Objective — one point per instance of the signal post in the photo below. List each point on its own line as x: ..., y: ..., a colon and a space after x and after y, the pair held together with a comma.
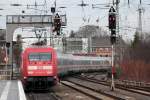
x: 56, y: 20
x: 112, y: 28
x: 57, y: 24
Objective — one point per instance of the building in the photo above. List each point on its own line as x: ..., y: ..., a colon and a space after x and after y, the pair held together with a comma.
x: 101, y: 46
x: 75, y: 45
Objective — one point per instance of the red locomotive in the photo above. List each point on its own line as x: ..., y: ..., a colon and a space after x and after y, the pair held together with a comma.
x: 39, y: 68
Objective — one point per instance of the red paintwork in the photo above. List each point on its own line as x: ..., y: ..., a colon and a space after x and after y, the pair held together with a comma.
x: 39, y: 64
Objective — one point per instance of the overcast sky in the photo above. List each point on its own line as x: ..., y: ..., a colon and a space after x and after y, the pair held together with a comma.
x: 75, y: 14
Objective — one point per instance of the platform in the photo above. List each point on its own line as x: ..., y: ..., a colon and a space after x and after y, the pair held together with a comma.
x: 11, y: 90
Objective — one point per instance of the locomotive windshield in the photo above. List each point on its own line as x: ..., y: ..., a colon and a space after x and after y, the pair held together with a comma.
x: 39, y: 56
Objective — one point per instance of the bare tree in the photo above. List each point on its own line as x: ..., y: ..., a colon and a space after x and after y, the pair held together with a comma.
x: 90, y: 31
x: 136, y: 62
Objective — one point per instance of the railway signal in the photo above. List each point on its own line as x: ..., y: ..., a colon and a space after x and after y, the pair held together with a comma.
x: 112, y: 18
x: 53, y: 10
x: 57, y: 24
x: 7, y: 44
x: 112, y: 28
x: 112, y: 24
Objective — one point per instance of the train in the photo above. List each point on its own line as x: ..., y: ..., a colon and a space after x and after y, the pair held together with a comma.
x: 39, y: 68
x: 71, y: 63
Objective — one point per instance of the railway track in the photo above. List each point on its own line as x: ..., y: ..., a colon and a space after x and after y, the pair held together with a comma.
x: 105, y: 89
x: 139, y: 90
x: 91, y: 92
x: 42, y: 96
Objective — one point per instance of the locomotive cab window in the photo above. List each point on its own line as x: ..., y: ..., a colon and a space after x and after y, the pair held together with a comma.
x: 39, y: 56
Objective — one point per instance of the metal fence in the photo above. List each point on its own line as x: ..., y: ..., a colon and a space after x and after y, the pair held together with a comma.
x: 5, y: 74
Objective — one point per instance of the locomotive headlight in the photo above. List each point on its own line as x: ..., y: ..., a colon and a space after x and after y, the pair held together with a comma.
x: 25, y: 77
x: 32, y: 67
x: 39, y: 67
x: 47, y: 67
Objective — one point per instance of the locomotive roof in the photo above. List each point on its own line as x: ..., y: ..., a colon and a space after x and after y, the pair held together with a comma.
x: 72, y: 57
x: 38, y: 48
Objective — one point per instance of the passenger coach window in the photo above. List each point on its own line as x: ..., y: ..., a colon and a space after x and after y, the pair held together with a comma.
x: 39, y: 56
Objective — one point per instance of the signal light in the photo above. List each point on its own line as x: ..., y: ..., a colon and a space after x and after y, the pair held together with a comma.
x: 112, y: 21
x: 112, y: 24
x: 113, y: 36
x: 25, y: 77
x: 112, y: 18
x: 53, y: 9
x: 6, y: 59
x: 7, y: 44
x: 57, y: 24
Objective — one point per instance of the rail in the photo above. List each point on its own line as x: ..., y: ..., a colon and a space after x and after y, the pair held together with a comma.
x: 134, y: 83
